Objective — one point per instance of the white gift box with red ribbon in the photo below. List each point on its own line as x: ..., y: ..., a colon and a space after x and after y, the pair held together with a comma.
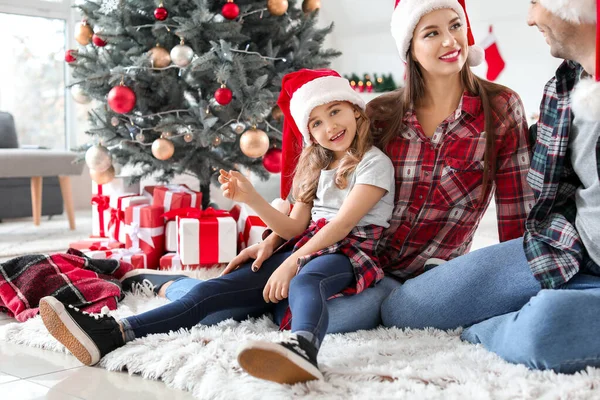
x: 146, y: 231
x: 209, y: 239
x: 171, y: 236
x: 118, y: 204
x: 100, y: 215
x: 137, y: 258
x: 250, y: 227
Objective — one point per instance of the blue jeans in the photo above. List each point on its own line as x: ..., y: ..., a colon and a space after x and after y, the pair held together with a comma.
x: 493, y: 292
x: 346, y: 314
x: 319, y: 279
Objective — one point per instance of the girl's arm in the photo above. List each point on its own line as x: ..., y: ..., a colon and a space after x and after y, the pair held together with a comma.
x: 237, y: 187
x: 360, y: 201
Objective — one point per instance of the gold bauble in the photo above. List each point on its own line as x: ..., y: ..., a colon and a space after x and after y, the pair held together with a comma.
x: 277, y: 113
x: 254, y: 143
x: 83, y: 33
x: 103, y: 177
x: 160, y: 57
x: 277, y: 7
x: 309, y: 6
x: 163, y: 149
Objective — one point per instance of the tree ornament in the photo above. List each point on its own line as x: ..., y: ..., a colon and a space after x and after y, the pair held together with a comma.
x: 272, y: 161
x: 161, y: 12
x: 281, y: 205
x: 254, y: 143
x: 79, y: 95
x: 140, y: 137
x: 159, y: 57
x: 121, y: 99
x: 277, y: 114
x: 98, y: 41
x: 163, y: 149
x: 277, y: 7
x: 83, y: 33
x: 238, y: 127
x: 223, y: 95
x: 216, y: 141
x: 309, y: 6
x: 188, y: 137
x: 98, y: 158
x: 114, y: 121
x: 230, y: 10
x: 70, y: 56
x: 104, y: 177
x: 182, y: 55
x: 166, y: 135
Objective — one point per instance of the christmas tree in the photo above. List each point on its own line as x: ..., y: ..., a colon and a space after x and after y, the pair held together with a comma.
x: 190, y: 86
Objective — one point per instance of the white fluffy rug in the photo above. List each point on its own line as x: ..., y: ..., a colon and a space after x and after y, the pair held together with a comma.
x: 382, y: 364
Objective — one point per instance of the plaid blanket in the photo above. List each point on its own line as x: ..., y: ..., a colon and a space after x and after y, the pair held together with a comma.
x: 71, y: 277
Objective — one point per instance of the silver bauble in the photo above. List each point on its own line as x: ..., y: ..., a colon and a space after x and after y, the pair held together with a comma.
x: 98, y: 158
x: 182, y: 55
x: 79, y: 95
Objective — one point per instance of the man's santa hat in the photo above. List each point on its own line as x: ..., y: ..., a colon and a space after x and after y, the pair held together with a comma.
x: 408, y: 13
x: 301, y: 92
x: 586, y: 97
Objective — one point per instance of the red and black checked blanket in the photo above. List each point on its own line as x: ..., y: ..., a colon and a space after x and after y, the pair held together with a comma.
x: 359, y: 246
x: 70, y: 277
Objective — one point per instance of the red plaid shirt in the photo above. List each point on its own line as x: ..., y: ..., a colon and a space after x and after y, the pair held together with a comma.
x: 360, y: 246
x: 438, y: 201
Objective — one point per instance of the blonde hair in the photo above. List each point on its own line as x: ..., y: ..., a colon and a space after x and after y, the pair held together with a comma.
x: 387, y: 112
x: 314, y: 158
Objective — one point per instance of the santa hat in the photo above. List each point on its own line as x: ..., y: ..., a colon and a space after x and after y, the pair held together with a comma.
x: 408, y: 13
x: 586, y: 96
x: 301, y: 92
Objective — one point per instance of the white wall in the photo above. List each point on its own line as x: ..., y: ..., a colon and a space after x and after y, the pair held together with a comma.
x: 362, y: 33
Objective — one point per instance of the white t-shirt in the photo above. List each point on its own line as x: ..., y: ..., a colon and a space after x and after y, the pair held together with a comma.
x: 374, y: 169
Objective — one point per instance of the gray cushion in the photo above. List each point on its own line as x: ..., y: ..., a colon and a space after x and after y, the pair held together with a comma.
x: 21, y: 163
x: 8, y: 133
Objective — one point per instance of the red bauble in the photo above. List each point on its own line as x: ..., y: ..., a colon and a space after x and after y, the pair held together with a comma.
x: 230, y: 11
x: 98, y: 41
x: 223, y: 96
x: 272, y: 161
x: 161, y: 13
x: 121, y: 99
x: 69, y: 56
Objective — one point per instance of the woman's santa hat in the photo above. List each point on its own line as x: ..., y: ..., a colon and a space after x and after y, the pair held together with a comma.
x: 301, y: 92
x: 586, y: 97
x: 408, y: 13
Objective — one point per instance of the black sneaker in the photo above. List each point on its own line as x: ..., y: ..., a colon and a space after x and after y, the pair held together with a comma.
x: 292, y: 361
x: 147, y: 280
x: 88, y: 336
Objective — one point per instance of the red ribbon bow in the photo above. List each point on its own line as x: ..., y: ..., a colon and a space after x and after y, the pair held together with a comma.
x: 102, y: 202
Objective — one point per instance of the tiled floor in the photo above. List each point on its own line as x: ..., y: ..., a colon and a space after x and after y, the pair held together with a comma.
x: 27, y: 373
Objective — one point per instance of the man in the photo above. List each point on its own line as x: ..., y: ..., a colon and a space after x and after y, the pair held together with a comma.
x: 536, y: 300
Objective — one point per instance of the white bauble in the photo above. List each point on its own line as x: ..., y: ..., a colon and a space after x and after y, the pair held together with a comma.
x: 182, y: 55
x: 79, y: 95
x: 98, y: 158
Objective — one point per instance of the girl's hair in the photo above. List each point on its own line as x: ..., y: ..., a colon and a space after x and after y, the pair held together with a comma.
x: 314, y: 158
x: 387, y: 111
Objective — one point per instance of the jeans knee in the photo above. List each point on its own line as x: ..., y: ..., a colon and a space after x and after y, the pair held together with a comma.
x: 393, y: 310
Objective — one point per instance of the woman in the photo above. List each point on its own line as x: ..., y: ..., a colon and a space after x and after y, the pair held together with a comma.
x: 446, y: 169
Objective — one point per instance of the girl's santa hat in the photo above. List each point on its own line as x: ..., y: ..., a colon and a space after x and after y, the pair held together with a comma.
x: 408, y: 13
x: 586, y: 97
x: 301, y: 92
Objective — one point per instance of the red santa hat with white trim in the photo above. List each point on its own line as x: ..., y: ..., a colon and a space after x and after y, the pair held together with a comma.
x: 301, y: 92
x: 585, y: 100
x: 408, y: 13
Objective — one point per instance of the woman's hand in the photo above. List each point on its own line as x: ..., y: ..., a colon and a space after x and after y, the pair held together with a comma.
x: 259, y: 252
x: 278, y: 286
x: 236, y: 186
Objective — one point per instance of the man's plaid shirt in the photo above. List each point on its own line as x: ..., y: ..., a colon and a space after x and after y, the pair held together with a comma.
x: 439, y: 200
x: 552, y: 245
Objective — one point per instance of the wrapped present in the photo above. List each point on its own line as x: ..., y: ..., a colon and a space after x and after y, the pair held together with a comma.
x: 100, y: 215
x: 118, y: 205
x: 137, y: 258
x: 172, y: 262
x: 146, y: 231
x: 171, y: 224
x: 96, y: 244
x: 250, y: 227
x: 171, y: 236
x: 209, y: 239
x: 172, y: 197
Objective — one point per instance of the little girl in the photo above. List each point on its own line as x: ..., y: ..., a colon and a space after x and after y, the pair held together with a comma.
x: 343, y: 190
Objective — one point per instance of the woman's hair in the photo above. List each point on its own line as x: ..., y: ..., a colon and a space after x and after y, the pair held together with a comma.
x: 387, y: 111
x: 315, y: 157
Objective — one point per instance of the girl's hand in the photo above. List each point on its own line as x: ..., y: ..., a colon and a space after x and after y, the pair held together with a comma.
x: 259, y: 252
x: 278, y: 286
x: 236, y: 186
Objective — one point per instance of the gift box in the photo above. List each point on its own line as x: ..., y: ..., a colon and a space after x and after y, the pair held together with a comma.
x: 137, y: 258
x: 171, y: 236
x: 250, y: 227
x: 172, y: 197
x: 118, y: 204
x: 209, y: 239
x: 96, y: 244
x: 100, y: 215
x: 172, y: 262
x: 145, y: 230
